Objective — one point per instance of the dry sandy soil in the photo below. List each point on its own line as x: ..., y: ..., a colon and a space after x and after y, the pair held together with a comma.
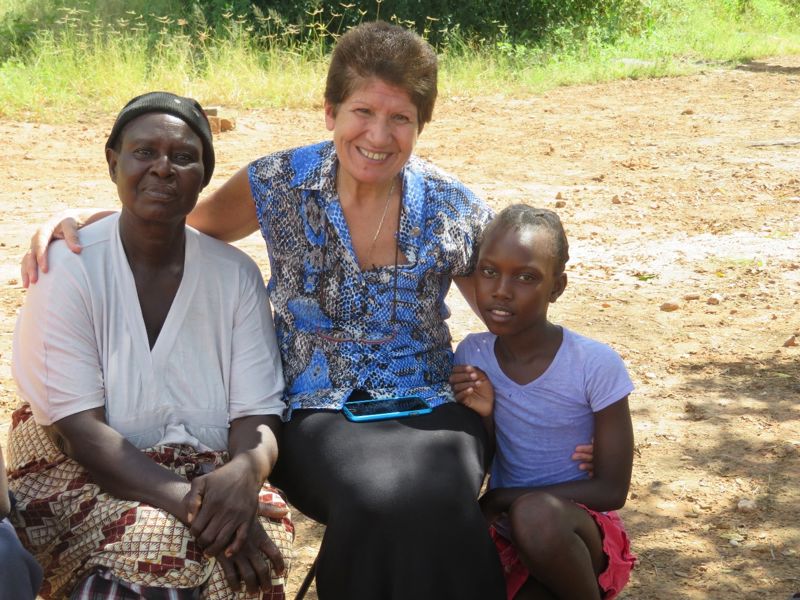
x: 679, y: 194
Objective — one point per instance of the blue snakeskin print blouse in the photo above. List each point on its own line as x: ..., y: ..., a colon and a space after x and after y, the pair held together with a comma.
x: 334, y: 321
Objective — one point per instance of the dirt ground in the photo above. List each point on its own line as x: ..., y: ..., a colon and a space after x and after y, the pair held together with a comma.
x: 681, y: 198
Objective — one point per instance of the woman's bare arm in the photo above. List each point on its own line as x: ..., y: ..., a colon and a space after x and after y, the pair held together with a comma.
x: 117, y: 466
x: 229, y: 212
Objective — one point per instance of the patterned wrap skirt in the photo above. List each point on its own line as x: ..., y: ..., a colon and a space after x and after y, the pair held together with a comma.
x: 74, y: 529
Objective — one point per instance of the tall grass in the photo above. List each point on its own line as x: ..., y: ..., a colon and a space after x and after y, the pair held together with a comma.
x: 58, y: 64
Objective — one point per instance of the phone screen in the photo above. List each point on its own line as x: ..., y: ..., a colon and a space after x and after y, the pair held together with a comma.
x: 379, y: 406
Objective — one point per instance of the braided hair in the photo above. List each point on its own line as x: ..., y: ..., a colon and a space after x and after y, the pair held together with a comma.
x: 519, y: 217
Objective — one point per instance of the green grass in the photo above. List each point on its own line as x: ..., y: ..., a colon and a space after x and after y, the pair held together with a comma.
x: 101, y: 56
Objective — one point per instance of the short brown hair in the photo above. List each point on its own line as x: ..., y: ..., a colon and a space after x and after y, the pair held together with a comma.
x: 391, y: 53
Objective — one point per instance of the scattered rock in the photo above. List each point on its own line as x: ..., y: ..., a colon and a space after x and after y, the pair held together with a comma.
x: 689, y: 297
x: 688, y: 111
x: 559, y: 196
x: 669, y: 306
x: 746, y: 505
x: 792, y: 341
x: 220, y: 124
x: 714, y: 299
x: 616, y: 200
x: 560, y: 204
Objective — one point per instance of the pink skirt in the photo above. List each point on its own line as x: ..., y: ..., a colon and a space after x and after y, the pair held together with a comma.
x: 616, y: 547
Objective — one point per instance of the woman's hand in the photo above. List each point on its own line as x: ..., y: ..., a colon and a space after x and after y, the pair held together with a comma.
x: 473, y: 389
x: 585, y: 454
x: 62, y: 226
x: 222, y: 506
x: 250, y: 565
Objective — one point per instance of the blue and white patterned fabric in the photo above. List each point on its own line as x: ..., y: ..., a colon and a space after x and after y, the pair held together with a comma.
x: 334, y: 321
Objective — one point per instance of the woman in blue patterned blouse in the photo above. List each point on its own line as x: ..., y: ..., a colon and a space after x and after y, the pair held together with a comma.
x: 364, y: 240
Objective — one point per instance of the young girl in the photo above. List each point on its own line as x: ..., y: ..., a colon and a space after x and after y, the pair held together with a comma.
x: 544, y: 389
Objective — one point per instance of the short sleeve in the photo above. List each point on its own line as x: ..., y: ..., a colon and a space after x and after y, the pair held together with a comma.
x: 455, y: 216
x: 463, y: 351
x: 463, y: 221
x: 607, y: 379
x: 56, y: 362
x: 256, y: 385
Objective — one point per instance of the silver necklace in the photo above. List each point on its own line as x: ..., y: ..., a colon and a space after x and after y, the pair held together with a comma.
x: 380, y: 224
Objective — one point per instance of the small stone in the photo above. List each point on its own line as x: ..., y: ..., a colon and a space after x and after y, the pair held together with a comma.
x: 746, y: 505
x: 734, y: 543
x: 689, y: 297
x: 227, y: 124
x: 213, y: 122
x: 560, y: 204
x: 688, y: 111
x: 616, y: 200
x: 714, y: 299
x: 559, y: 196
x: 669, y: 306
x: 792, y: 341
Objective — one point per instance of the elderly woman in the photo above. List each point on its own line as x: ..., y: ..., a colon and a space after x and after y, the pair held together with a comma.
x: 364, y: 240
x: 153, y: 384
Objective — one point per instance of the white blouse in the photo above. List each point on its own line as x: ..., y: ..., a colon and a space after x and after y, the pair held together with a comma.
x: 81, y: 343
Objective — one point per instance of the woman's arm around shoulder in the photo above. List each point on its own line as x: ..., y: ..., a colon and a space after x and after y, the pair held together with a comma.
x: 229, y: 212
x: 613, y: 463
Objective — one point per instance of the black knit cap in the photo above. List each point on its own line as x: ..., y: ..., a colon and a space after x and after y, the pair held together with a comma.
x: 186, y: 109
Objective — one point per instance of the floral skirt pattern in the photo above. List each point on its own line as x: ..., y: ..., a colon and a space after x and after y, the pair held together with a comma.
x: 74, y: 529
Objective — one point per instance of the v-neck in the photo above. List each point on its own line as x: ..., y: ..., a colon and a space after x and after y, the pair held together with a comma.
x: 533, y: 382
x: 150, y: 359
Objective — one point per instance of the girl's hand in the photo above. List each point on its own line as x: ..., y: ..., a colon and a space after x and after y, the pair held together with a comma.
x: 473, y: 389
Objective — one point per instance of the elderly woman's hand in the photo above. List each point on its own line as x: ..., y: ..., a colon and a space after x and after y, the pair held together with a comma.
x: 222, y: 506
x: 250, y: 565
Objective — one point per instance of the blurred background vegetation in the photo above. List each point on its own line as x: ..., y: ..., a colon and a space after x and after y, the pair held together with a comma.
x: 56, y: 56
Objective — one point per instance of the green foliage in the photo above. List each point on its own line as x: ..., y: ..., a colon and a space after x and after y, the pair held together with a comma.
x: 57, y: 54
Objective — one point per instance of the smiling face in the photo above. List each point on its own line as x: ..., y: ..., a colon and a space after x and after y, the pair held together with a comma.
x: 516, y: 278
x: 158, y: 167
x: 374, y: 131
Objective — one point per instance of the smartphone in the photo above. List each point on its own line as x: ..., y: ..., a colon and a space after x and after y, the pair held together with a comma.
x: 375, y: 409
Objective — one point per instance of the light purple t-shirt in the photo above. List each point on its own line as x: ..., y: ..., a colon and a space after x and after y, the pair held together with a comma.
x: 539, y: 424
